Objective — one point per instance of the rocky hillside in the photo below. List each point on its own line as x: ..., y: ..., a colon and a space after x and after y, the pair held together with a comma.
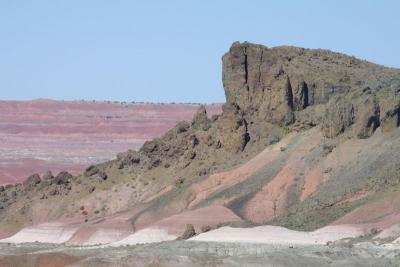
x: 41, y: 135
x: 307, y: 138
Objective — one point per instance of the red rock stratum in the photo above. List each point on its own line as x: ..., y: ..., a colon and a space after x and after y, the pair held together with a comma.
x: 41, y: 135
x: 307, y: 139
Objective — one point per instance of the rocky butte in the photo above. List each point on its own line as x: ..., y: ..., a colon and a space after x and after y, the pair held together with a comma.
x: 308, y: 140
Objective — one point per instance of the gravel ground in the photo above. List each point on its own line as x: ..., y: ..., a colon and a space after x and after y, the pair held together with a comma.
x: 184, y: 253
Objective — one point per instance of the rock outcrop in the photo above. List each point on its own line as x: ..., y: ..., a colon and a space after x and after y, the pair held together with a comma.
x: 71, y: 135
x: 201, y: 120
x: 32, y: 181
x: 339, y: 115
x: 308, y: 103
x: 276, y: 85
x: 389, y: 104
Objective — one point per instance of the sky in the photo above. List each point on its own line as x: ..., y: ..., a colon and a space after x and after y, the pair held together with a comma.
x: 170, y: 51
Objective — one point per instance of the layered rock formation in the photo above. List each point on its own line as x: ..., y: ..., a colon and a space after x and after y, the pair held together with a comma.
x: 296, y: 145
x: 42, y: 135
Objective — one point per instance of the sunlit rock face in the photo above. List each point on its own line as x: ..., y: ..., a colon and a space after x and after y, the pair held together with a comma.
x: 276, y: 85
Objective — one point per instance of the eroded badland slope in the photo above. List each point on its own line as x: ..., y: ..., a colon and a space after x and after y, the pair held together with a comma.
x: 307, y: 138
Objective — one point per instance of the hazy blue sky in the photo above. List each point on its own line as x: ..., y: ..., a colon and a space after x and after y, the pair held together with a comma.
x: 164, y: 51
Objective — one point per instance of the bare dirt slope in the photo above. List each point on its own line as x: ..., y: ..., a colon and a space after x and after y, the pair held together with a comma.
x: 307, y: 138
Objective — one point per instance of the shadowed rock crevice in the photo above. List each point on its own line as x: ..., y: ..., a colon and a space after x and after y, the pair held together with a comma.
x: 289, y: 93
x: 302, y: 101
x: 246, y: 66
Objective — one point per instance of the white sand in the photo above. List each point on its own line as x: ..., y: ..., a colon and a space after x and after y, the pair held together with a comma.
x: 104, y: 236
x: 392, y: 231
x: 149, y: 235
x: 278, y: 235
x: 45, y: 233
x: 58, y: 233
x: 397, y: 241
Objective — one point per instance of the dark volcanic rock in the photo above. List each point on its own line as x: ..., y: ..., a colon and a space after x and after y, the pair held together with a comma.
x: 339, y: 115
x: 257, y: 84
x: 182, y: 127
x: 91, y: 170
x: 200, y: 120
x: 367, y: 116
x: 63, y: 178
x: 71, y: 135
x: 32, y: 180
x: 232, y: 129
x: 360, y: 111
x: 270, y: 92
x: 128, y: 158
x: 277, y: 85
x: 48, y: 175
x: 389, y: 111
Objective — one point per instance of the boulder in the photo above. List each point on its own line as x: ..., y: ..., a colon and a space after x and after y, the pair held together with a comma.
x: 389, y: 112
x: 367, y: 116
x: 201, y: 120
x: 63, y: 178
x: 91, y: 170
x: 128, y: 158
x: 32, y: 181
x: 182, y: 127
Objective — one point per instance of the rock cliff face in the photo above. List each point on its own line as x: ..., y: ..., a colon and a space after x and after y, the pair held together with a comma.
x: 275, y: 85
x: 282, y: 152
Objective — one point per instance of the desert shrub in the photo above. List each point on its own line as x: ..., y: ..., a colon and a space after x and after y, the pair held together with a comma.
x: 179, y: 182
